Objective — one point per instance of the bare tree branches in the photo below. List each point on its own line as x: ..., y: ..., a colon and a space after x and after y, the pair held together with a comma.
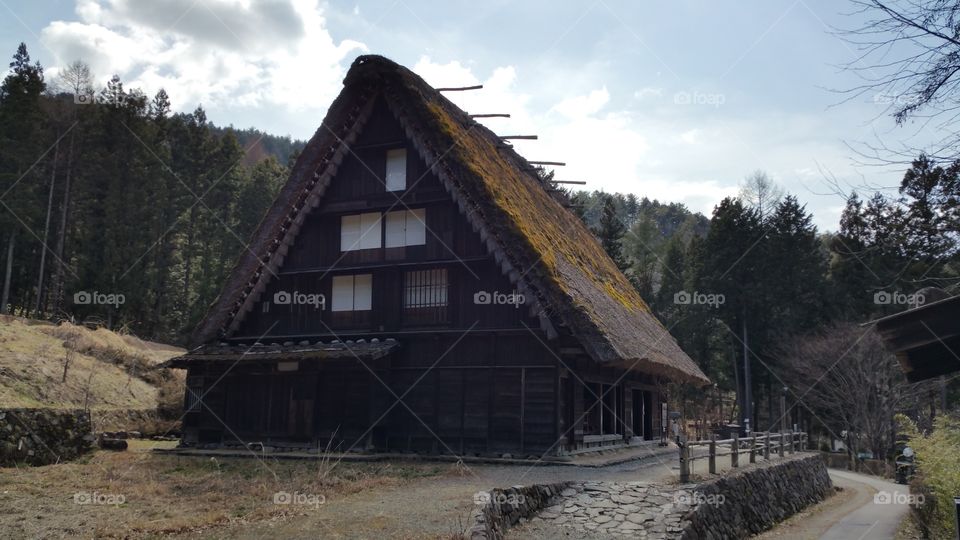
x: 909, y: 60
x: 852, y: 384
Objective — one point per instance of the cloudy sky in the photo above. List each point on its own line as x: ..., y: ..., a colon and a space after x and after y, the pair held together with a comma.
x: 676, y: 100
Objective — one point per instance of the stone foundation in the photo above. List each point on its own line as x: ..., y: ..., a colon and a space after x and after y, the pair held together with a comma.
x: 43, y: 436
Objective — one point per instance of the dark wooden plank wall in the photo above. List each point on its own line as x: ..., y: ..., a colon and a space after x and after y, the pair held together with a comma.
x: 487, y: 393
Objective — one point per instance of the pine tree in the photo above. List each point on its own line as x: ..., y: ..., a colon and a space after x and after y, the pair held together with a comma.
x: 610, y: 231
x: 21, y: 138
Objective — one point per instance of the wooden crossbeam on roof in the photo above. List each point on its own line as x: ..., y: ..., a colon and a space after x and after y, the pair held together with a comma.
x: 459, y: 88
x: 490, y: 115
x: 578, y: 182
x: 527, y: 137
x: 554, y: 163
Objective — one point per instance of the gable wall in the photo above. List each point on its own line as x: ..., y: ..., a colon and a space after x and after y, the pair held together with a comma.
x: 315, y: 257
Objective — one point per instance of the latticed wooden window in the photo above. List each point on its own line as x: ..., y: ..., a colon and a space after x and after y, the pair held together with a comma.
x: 193, y: 398
x: 425, y: 296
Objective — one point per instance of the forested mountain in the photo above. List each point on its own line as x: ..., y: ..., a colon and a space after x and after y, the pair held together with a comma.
x: 258, y: 145
x: 116, y: 209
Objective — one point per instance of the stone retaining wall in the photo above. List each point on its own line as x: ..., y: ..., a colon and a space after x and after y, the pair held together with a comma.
x: 738, y: 504
x: 753, y: 499
x: 499, y: 509
x: 43, y: 436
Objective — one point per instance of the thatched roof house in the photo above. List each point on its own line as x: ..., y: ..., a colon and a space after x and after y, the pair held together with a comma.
x: 577, y: 300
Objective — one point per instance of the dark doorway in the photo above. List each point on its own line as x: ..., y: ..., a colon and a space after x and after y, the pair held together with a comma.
x: 639, y: 414
x: 609, y: 410
x: 566, y: 408
x: 648, y: 415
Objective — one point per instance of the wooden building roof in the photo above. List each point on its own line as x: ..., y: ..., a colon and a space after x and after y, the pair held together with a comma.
x: 547, y: 252
x: 926, y: 339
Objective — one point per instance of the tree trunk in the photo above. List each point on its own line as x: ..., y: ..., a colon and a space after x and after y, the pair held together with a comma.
x: 747, y: 393
x: 5, y: 299
x: 736, y: 377
x: 46, y: 232
x: 59, y: 278
x: 188, y: 261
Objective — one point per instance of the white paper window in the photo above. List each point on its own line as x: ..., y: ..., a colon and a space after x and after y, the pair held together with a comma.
x: 406, y: 228
x: 396, y: 229
x: 360, y: 231
x: 352, y: 293
x: 370, y: 230
x: 396, y: 169
x: 362, y: 292
x: 349, y: 233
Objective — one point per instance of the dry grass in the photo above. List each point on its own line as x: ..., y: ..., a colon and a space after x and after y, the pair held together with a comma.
x: 70, y: 366
x: 169, y: 495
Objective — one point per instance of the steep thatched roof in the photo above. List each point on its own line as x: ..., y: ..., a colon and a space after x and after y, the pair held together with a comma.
x: 546, y: 250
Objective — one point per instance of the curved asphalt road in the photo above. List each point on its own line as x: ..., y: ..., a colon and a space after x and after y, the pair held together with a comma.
x: 883, y: 505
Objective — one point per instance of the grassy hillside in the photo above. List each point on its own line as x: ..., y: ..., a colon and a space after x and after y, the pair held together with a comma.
x: 69, y: 366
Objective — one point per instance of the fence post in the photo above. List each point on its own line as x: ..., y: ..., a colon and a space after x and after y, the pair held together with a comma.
x: 766, y: 446
x: 753, y: 449
x: 713, y: 454
x: 790, y: 434
x: 780, y: 447
x: 684, y: 463
x: 735, y: 451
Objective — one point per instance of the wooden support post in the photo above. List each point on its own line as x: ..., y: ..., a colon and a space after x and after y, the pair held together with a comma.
x: 766, y: 446
x: 713, y: 454
x: 753, y: 449
x: 780, y: 447
x: 684, y: 463
x: 735, y: 451
x: 790, y: 435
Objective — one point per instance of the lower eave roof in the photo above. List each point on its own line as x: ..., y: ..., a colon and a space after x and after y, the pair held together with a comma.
x: 278, y: 352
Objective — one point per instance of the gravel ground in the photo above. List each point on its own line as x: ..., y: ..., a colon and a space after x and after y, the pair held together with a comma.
x: 436, y: 507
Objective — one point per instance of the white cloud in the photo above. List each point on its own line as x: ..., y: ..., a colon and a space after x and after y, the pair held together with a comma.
x: 583, y: 106
x: 648, y: 92
x: 690, y: 136
x: 221, y: 53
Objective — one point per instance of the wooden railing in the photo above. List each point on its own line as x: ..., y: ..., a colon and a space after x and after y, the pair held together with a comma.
x: 762, y: 443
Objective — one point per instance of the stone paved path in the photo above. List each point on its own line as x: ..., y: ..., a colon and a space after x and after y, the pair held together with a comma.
x: 612, y: 510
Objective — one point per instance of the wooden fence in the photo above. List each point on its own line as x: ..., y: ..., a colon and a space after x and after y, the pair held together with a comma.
x: 758, y: 443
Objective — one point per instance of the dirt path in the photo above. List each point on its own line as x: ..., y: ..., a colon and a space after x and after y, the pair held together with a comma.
x: 850, y: 513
